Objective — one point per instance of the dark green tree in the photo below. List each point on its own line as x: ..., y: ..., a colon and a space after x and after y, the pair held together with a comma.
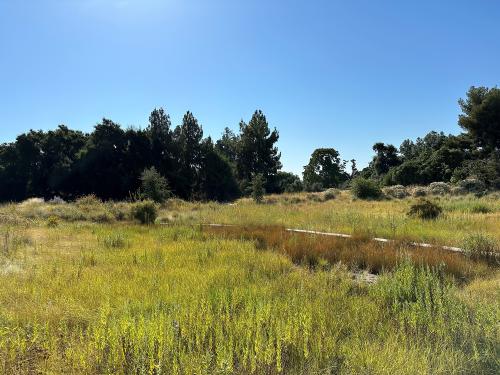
x: 481, y: 115
x: 228, y: 145
x: 217, y: 179
x: 288, y: 182
x: 188, y: 138
x: 102, y: 170
x: 163, y: 149
x: 59, y: 153
x: 386, y: 157
x: 257, y: 152
x: 325, y: 168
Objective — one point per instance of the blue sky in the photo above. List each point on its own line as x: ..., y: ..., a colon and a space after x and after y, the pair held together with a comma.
x: 342, y: 74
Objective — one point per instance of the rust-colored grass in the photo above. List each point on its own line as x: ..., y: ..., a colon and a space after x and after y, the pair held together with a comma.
x: 357, y: 252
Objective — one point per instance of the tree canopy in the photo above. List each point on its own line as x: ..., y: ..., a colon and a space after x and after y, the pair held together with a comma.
x: 325, y: 168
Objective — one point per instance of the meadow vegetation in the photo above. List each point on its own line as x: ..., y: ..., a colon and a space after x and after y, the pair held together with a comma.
x: 80, y: 294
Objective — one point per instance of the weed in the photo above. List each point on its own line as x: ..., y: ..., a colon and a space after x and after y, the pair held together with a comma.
x: 115, y: 241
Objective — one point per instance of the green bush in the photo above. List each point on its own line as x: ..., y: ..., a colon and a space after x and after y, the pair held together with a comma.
x: 154, y: 186
x: 425, y: 209
x: 145, y: 212
x: 365, y: 189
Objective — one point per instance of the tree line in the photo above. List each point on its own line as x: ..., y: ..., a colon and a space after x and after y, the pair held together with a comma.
x: 111, y: 162
x: 475, y: 153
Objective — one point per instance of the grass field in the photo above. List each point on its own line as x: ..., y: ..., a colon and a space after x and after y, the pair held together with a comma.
x: 84, y: 290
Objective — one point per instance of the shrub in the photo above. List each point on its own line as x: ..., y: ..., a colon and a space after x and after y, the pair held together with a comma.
x: 472, y: 185
x: 31, y: 201
x: 365, y: 189
x: 88, y: 200
x: 118, y: 210
x: 425, y: 209
x: 258, y: 190
x: 145, y: 212
x: 329, y: 194
x: 101, y: 216
x: 295, y: 200
x: 419, y: 191
x: 154, y: 186
x: 396, y: 191
x: 439, y: 188
x: 458, y: 190
x: 56, y: 200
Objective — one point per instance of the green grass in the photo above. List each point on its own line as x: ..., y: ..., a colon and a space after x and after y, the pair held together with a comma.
x: 82, y: 297
x: 384, y: 218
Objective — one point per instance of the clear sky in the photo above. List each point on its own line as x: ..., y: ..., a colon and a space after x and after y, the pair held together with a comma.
x: 342, y: 74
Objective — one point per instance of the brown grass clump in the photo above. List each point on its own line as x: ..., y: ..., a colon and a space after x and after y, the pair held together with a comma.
x: 357, y: 252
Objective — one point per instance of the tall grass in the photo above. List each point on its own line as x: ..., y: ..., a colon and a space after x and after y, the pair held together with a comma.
x: 83, y: 297
x: 357, y: 253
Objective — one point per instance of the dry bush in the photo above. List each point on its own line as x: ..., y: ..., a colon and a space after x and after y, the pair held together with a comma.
x: 330, y: 194
x: 396, y: 191
x: 439, y: 188
x: 419, y: 191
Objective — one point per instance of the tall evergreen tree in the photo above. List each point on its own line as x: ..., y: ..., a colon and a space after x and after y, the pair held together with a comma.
x: 228, y: 145
x: 188, y: 137
x: 257, y: 152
